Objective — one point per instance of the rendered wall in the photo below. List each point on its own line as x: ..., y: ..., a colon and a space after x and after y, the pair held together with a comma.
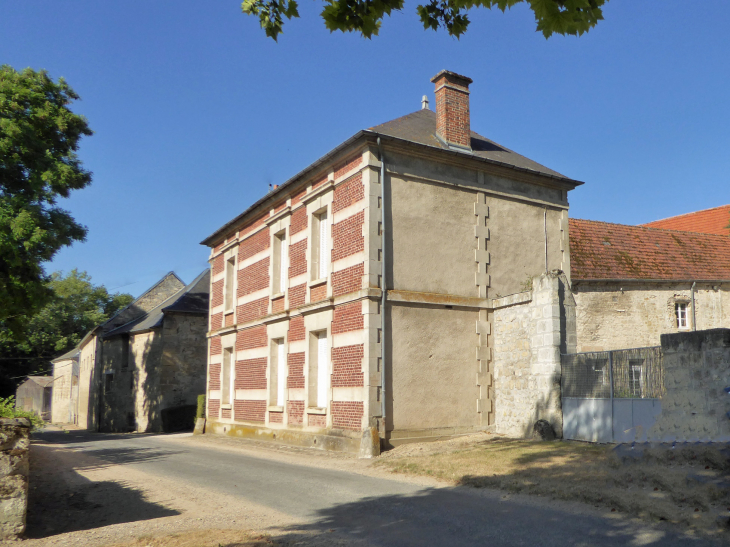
x: 431, y: 381
x: 88, y: 405
x: 62, y: 382
x: 617, y: 316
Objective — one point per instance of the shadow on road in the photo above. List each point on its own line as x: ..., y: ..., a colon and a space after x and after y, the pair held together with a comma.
x: 446, y: 516
x: 61, y: 500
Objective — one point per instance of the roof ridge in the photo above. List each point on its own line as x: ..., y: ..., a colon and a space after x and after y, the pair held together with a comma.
x: 642, y: 227
x: 686, y: 214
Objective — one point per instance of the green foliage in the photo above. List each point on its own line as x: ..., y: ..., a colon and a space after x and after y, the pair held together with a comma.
x: 573, y: 17
x: 200, y: 412
x: 74, y: 308
x: 526, y: 285
x: 8, y: 410
x: 39, y: 137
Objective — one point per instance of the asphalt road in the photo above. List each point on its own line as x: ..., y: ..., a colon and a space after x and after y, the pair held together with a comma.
x: 374, y: 511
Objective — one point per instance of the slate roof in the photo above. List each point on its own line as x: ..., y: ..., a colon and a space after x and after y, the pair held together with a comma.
x: 601, y: 250
x: 420, y: 127
x: 192, y: 299
x: 43, y: 381
x: 68, y: 355
x: 707, y: 221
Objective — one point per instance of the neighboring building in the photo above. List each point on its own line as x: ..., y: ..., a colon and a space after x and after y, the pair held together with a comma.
x: 153, y: 367
x: 709, y: 221
x: 632, y: 284
x: 65, y: 388
x: 34, y: 395
x: 144, y: 366
x: 304, y: 347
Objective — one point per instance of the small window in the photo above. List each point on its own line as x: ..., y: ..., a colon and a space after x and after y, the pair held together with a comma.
x: 680, y: 311
x: 636, y: 378
x: 320, y: 242
x: 230, y: 282
x: 108, y: 382
x: 280, y: 264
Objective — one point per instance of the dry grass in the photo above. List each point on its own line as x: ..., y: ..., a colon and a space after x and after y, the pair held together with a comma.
x: 689, y: 485
x: 201, y: 538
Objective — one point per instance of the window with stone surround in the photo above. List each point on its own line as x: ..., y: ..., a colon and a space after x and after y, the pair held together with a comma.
x: 279, y: 270
x: 227, y: 371
x: 229, y: 284
x: 277, y: 373
x: 320, y: 245
x: 319, y: 370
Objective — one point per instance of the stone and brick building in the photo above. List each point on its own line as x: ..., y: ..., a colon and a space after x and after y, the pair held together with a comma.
x: 306, y: 346
x: 632, y: 284
x: 143, y: 369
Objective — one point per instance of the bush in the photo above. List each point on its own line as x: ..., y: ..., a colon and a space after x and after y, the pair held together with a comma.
x: 8, y: 410
x: 201, y: 407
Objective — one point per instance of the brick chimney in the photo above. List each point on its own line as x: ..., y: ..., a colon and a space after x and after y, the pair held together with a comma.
x: 452, y: 108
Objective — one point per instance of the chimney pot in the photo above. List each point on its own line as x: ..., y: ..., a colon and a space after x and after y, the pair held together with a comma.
x: 452, y: 109
x: 424, y: 103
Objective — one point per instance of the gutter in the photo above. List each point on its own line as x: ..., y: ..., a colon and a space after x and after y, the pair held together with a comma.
x: 638, y: 280
x: 694, y: 318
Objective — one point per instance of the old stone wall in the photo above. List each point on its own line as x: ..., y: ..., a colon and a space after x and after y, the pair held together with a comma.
x: 116, y: 385
x: 531, y: 329
x: 617, y: 316
x: 695, y: 405
x: 14, y: 468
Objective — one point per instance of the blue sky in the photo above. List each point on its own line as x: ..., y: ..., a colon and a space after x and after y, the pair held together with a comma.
x: 195, y: 111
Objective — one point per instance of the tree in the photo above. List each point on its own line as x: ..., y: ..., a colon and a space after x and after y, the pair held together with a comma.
x: 76, y: 306
x: 39, y: 137
x: 365, y: 16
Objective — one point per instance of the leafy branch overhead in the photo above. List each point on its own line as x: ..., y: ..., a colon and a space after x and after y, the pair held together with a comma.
x: 365, y: 16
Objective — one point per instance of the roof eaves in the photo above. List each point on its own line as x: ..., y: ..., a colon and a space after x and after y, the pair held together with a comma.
x: 270, y: 196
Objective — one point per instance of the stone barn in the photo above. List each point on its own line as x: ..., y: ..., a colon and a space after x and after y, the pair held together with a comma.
x: 34, y: 395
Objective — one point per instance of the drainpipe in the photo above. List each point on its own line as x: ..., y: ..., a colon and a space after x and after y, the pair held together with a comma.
x: 383, y: 284
x: 694, y: 318
x: 544, y: 223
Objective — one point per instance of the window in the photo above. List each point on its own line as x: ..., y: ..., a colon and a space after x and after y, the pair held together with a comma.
x: 280, y: 264
x: 319, y: 373
x: 680, y: 311
x: 227, y: 377
x: 108, y: 382
x: 636, y: 379
x: 278, y: 373
x: 229, y: 283
x: 320, y: 241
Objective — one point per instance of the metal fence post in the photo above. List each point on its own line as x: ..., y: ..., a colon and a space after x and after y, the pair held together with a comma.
x: 610, y: 379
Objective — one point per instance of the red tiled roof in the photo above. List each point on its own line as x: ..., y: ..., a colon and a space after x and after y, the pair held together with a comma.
x: 600, y: 250
x: 708, y: 221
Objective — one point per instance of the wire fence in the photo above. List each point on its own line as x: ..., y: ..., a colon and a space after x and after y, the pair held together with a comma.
x: 622, y: 374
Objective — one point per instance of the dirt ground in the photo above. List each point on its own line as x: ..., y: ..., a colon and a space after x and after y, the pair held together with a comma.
x: 687, y: 484
x: 76, y: 499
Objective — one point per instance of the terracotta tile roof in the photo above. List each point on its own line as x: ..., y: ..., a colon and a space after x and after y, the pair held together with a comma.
x: 708, y: 221
x: 600, y: 250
